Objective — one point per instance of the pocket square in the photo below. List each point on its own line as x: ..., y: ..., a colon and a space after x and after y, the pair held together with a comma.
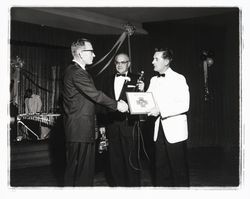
x: 131, y: 86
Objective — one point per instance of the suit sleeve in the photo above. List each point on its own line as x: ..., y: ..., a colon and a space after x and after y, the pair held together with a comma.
x: 150, y: 87
x: 177, y: 102
x: 85, y: 85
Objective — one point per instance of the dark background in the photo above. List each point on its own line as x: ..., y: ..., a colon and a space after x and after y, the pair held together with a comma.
x: 211, y: 123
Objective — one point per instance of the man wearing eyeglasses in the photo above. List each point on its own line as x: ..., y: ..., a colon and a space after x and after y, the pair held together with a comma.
x: 121, y: 131
x: 79, y: 99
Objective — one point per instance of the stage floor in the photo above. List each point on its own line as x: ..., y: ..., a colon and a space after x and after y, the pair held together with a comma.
x: 209, y: 167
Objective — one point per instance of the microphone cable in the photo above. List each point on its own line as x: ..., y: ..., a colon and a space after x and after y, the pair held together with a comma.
x: 137, y: 134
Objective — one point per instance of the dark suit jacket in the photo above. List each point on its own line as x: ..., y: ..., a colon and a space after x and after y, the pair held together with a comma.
x: 79, y: 98
x: 128, y: 86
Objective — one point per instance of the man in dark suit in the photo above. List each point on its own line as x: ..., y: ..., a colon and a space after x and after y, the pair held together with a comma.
x: 121, y: 131
x: 79, y: 99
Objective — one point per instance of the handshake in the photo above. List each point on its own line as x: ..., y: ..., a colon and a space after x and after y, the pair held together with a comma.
x: 122, y: 106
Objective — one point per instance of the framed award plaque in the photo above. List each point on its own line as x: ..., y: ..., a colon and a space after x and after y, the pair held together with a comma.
x: 140, y: 102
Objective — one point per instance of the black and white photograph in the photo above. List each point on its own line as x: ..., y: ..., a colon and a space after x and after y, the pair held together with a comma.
x: 69, y: 124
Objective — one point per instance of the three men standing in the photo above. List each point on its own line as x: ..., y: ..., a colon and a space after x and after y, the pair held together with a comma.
x: 171, y: 94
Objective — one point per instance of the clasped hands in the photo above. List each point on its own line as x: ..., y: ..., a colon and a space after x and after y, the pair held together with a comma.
x: 122, y: 106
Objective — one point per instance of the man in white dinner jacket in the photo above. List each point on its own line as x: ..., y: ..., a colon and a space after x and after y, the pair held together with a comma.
x: 171, y: 94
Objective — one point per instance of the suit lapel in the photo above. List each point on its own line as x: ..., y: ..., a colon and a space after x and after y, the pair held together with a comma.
x: 124, y: 88
x: 113, y: 87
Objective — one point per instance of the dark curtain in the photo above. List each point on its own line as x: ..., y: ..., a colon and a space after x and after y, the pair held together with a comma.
x: 211, y: 123
x: 214, y: 122
x: 46, y: 51
x: 40, y: 72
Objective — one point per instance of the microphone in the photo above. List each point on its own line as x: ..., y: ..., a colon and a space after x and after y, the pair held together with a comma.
x: 142, y: 117
x: 141, y: 77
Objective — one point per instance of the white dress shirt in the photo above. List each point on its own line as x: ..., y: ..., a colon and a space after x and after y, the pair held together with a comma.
x: 118, y: 85
x: 171, y: 94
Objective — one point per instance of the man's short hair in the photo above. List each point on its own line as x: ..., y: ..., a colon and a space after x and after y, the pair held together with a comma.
x: 166, y: 53
x: 77, y: 44
x: 122, y: 54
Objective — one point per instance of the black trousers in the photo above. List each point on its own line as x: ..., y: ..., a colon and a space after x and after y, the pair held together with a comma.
x: 171, y: 167
x: 80, y: 164
x: 123, y: 155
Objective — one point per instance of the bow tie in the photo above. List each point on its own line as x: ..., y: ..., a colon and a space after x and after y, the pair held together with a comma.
x: 118, y: 74
x: 160, y: 75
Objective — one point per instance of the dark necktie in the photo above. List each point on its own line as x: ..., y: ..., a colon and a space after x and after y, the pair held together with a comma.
x: 118, y: 74
x: 160, y: 75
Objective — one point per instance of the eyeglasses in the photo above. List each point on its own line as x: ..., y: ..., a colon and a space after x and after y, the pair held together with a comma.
x: 89, y: 50
x: 122, y: 62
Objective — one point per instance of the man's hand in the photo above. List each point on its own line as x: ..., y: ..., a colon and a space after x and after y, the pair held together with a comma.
x: 122, y: 106
x: 154, y: 112
x: 140, y: 85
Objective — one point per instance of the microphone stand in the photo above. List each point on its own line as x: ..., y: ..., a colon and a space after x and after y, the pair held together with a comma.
x: 142, y: 118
